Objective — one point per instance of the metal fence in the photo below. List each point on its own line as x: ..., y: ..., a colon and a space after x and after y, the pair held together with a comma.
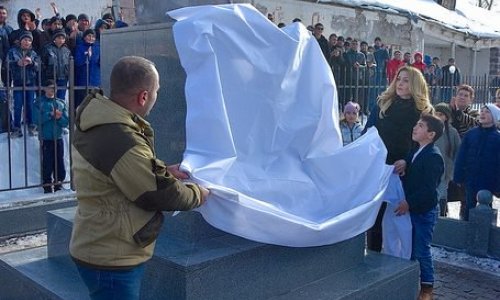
x: 359, y: 85
x: 8, y: 91
x: 363, y: 85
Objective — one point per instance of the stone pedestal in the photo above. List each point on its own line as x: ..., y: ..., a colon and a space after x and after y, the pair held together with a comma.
x: 482, y: 219
x: 193, y: 260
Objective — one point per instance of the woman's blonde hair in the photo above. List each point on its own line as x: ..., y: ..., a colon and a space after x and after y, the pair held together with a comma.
x: 418, y: 90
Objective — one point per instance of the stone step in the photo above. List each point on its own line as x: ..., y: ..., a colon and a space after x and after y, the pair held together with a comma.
x: 29, y: 274
x: 377, y: 277
x: 193, y: 260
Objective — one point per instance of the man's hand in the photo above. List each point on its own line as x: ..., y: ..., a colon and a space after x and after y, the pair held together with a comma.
x: 402, y: 208
x: 204, y: 194
x: 453, y: 104
x: 174, y: 170
x: 399, y: 167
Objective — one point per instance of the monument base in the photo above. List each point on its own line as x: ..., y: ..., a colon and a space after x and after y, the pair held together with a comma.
x: 196, y: 261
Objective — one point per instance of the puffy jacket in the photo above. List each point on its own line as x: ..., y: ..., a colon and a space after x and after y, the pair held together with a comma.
x: 82, y: 57
x: 55, y: 62
x: 349, y: 135
x: 478, y: 161
x: 49, y: 127
x: 14, y: 35
x: 121, y: 186
x: 18, y: 73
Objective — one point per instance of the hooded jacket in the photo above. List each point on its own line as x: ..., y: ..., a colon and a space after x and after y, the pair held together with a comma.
x: 14, y: 36
x: 121, y: 187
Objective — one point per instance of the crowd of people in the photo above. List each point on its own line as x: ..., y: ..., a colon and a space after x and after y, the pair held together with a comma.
x: 39, y: 53
x: 446, y: 152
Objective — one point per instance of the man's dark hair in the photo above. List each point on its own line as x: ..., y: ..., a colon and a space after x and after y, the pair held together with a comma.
x: 340, y: 38
x: 435, y: 57
x: 364, y: 43
x: 3, y: 7
x: 378, y: 39
x: 318, y: 25
x: 296, y: 20
x: 451, y: 60
x: 434, y: 124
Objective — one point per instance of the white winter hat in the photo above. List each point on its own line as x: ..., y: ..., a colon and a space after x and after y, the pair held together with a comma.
x: 495, y: 112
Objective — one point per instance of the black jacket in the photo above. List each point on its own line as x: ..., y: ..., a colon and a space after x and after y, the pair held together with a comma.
x: 422, y: 176
x: 396, y: 127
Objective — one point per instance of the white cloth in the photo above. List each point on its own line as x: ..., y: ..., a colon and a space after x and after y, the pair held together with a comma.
x: 262, y: 132
x: 396, y: 230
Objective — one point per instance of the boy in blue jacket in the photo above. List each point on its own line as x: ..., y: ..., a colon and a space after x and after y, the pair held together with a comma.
x: 424, y: 168
x: 477, y: 166
x: 52, y: 117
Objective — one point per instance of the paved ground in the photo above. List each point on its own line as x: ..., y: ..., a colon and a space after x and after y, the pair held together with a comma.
x: 456, y: 283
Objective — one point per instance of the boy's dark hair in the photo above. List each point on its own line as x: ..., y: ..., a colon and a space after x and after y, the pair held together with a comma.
x: 49, y: 82
x: 434, y: 124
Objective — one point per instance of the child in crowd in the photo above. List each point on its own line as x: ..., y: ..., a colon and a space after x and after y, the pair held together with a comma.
x: 477, y: 166
x: 448, y: 144
x: 52, y: 117
x: 424, y: 167
x: 349, y: 125
x: 24, y: 65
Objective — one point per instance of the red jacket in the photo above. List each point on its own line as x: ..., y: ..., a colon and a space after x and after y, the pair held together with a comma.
x: 392, y: 68
x: 419, y: 65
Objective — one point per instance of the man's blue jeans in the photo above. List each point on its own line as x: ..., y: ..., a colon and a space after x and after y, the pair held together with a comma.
x: 112, y: 284
x: 423, y: 228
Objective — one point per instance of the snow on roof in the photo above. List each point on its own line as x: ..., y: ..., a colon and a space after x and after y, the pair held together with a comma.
x: 466, y: 18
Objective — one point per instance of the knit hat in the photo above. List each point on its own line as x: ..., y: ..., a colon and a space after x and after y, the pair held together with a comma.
x: 352, y: 107
x: 26, y: 34
x: 495, y: 112
x: 57, y: 33
x: 83, y: 17
x: 443, y: 108
x: 108, y: 16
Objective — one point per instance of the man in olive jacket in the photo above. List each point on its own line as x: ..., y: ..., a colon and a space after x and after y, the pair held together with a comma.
x: 120, y: 184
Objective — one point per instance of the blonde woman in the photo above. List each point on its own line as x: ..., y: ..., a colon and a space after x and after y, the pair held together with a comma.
x: 397, y: 111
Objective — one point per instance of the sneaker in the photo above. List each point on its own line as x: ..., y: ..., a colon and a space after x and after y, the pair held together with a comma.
x: 47, y: 190
x: 65, y: 131
x: 16, y: 132
x: 57, y: 187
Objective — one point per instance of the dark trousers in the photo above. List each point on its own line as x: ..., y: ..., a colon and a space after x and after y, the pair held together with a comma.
x: 53, y: 170
x: 374, y: 234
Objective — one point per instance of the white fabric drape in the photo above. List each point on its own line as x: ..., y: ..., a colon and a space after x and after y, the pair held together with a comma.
x: 262, y: 132
x: 396, y: 230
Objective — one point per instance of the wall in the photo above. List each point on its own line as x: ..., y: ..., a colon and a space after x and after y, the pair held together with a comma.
x: 357, y: 23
